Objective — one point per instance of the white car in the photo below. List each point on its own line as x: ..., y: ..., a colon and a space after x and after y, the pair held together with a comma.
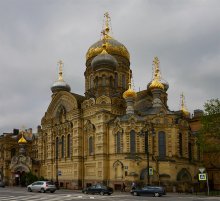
x: 42, y: 186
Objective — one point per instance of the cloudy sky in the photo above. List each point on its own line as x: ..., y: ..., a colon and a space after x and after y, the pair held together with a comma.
x: 185, y: 35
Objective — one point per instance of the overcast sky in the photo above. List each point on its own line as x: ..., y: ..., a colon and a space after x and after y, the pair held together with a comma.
x: 34, y: 35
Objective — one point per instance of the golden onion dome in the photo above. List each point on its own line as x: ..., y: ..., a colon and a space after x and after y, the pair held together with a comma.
x: 130, y: 93
x: 185, y: 111
x: 156, y: 84
x: 114, y: 48
x: 22, y: 140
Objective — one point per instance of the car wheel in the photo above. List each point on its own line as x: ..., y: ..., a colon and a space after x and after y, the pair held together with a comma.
x: 29, y: 189
x: 156, y: 194
x: 52, y: 191
x: 42, y: 190
x: 86, y: 192
x: 102, y: 193
x: 109, y: 193
x: 135, y: 193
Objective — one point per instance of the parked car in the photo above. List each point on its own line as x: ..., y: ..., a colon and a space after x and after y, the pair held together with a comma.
x: 42, y: 186
x: 149, y: 190
x: 2, y: 184
x: 98, y: 189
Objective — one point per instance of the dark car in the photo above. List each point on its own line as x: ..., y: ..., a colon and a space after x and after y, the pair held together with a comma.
x: 98, y: 189
x: 2, y: 184
x: 149, y: 190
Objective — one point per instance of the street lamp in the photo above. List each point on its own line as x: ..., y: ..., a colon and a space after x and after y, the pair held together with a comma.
x: 146, y: 134
x: 57, y: 153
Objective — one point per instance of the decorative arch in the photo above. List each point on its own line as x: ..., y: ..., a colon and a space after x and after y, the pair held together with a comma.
x: 119, y: 167
x: 67, y: 100
x: 118, y: 163
x: 184, y: 175
x: 20, y: 168
x: 103, y: 98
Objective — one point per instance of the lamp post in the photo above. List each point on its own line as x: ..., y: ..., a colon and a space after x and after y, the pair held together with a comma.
x: 57, y: 168
x: 146, y: 136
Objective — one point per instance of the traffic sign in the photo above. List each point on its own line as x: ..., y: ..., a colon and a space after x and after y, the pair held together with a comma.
x: 59, y: 173
x: 151, y: 171
x: 202, y: 169
x: 202, y: 177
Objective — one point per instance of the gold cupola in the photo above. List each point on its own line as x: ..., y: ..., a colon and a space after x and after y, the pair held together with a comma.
x: 156, y: 83
x: 130, y: 93
x: 114, y: 47
x: 22, y: 140
x: 183, y: 107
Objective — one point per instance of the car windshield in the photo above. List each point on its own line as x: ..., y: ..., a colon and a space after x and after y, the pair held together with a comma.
x: 49, y: 183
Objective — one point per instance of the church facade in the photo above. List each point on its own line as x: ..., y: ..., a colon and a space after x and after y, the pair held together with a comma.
x: 111, y: 134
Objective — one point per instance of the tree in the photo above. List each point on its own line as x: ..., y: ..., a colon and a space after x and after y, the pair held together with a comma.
x: 210, y: 131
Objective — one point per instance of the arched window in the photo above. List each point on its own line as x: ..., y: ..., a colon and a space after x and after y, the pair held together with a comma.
x: 68, y: 145
x: 162, y: 145
x: 118, y: 142
x: 91, y: 81
x: 116, y: 80
x: 62, y: 144
x: 190, y: 151
x: 57, y: 147
x: 180, y: 144
x: 90, y: 146
x: 45, y: 148
x: 13, y: 152
x: 111, y: 81
x: 123, y: 81
x: 103, y: 81
x: 132, y: 142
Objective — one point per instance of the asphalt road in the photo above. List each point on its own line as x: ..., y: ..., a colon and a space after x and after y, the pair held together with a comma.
x: 21, y: 194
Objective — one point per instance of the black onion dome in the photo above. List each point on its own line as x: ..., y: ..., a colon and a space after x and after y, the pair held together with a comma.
x: 60, y: 85
x: 104, y: 60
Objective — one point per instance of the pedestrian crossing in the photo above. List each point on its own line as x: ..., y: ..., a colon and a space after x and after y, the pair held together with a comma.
x: 57, y: 197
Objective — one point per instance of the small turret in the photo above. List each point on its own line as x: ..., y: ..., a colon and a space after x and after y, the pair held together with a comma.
x: 129, y: 97
x: 183, y: 107
x: 156, y: 83
x: 60, y: 84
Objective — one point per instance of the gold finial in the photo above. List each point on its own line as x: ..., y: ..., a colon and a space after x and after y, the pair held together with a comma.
x: 156, y: 64
x: 129, y: 79
x: 60, y: 63
x: 183, y: 105
x: 106, y: 29
x: 22, y: 140
x: 107, y: 19
x: 130, y: 92
x: 157, y: 76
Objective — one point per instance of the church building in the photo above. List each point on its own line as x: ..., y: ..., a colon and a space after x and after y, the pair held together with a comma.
x: 112, y: 134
